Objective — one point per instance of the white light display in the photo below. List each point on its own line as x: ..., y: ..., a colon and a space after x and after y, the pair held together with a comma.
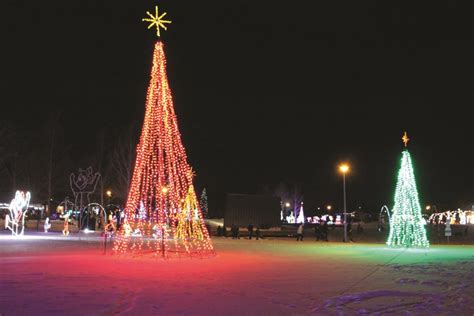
x: 300, y: 218
x: 83, y: 185
x: 66, y: 223
x: 18, y: 208
x: 454, y: 217
x: 47, y: 225
x: 290, y: 219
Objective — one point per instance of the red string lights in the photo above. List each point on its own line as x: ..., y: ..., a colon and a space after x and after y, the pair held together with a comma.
x: 162, y: 214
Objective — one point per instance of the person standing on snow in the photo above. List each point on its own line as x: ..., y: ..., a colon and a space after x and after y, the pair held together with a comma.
x: 325, y: 231
x: 250, y: 229
x: 299, y: 233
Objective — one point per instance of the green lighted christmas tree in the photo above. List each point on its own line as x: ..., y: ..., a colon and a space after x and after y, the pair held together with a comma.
x: 203, y: 203
x: 406, y: 224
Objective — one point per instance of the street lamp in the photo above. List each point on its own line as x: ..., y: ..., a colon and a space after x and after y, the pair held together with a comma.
x: 431, y: 208
x: 344, y: 168
x: 329, y: 207
x: 109, y: 195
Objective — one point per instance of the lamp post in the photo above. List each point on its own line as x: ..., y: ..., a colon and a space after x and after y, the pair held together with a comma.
x: 285, y: 212
x: 287, y: 207
x: 164, y: 190
x: 429, y: 207
x: 109, y: 195
x: 344, y: 168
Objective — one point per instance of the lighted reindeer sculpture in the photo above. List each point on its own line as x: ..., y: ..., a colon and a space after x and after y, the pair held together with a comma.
x: 18, y: 208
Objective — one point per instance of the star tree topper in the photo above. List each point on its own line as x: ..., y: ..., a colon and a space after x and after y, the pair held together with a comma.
x: 192, y: 173
x: 405, y: 139
x: 156, y: 20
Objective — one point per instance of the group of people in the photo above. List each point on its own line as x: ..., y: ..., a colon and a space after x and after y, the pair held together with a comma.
x: 258, y: 235
x: 235, y: 232
x: 321, y: 232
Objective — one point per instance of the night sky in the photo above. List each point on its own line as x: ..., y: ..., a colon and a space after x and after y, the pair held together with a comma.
x: 265, y: 91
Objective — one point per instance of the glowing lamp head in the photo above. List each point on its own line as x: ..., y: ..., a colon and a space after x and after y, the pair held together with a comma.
x: 428, y: 207
x: 344, y: 168
x: 109, y: 193
x: 287, y: 204
x: 329, y: 207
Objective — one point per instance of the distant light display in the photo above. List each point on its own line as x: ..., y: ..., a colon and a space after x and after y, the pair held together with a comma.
x: 66, y: 216
x: 47, y: 225
x: 203, y: 204
x: 290, y: 219
x: 83, y: 185
x: 329, y: 219
x: 453, y: 217
x: 15, y: 222
x: 300, y: 219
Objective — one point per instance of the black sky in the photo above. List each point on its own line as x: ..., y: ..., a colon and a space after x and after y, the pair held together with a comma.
x: 265, y: 91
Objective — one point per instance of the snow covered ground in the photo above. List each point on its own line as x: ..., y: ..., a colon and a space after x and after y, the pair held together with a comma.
x: 66, y: 276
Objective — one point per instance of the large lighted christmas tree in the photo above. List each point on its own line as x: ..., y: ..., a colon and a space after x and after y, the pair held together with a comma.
x: 406, y: 224
x: 162, y: 215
